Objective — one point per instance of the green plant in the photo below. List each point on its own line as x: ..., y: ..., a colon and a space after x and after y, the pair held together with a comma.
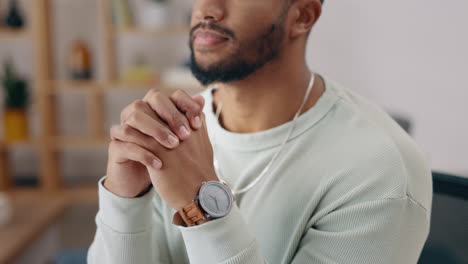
x: 160, y: 1
x: 16, y: 89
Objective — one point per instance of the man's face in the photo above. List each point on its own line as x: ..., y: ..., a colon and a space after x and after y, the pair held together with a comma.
x: 231, y: 39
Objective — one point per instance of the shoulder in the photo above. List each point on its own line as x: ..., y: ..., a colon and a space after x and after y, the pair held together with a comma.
x: 373, y: 157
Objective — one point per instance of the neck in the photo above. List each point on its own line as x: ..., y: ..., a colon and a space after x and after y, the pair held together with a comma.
x: 268, y: 98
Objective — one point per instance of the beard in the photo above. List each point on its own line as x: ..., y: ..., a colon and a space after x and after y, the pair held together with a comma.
x: 264, y: 48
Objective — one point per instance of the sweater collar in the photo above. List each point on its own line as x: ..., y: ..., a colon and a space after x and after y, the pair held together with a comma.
x: 248, y: 142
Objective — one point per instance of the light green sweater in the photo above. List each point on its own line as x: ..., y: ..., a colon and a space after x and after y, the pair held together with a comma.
x: 349, y: 187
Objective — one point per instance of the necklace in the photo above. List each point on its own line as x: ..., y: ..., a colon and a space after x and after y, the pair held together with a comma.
x: 277, y: 153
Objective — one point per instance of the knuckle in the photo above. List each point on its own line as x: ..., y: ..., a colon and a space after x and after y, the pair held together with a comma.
x: 126, y: 130
x: 152, y: 91
x: 124, y: 113
x: 154, y: 94
x: 163, y: 136
x: 158, y: 96
x: 147, y: 158
x: 133, y: 118
x: 128, y: 147
x: 193, y: 108
x: 196, y: 108
x: 177, y: 119
x: 138, y: 105
x: 183, y: 105
x: 178, y: 93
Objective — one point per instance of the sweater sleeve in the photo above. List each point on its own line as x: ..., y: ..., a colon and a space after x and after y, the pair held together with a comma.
x: 226, y: 240
x: 128, y: 231
x: 383, y: 231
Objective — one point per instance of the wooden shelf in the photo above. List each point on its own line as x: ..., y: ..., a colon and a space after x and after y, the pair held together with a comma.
x: 59, y: 143
x: 31, y: 143
x: 171, y: 30
x: 76, y: 142
x: 165, y: 88
x: 13, y: 34
x: 65, y: 86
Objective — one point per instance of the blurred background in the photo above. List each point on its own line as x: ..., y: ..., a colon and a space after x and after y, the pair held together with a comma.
x: 68, y: 67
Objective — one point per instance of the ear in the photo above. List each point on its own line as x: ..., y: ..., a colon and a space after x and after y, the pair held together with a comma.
x: 304, y: 14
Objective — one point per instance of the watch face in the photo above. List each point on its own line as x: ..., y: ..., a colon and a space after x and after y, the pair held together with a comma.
x: 216, y: 199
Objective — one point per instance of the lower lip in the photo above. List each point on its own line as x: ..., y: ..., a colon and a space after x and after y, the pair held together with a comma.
x: 208, y: 40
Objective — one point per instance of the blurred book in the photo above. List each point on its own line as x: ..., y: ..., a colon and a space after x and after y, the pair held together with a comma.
x: 140, y: 73
x: 121, y: 15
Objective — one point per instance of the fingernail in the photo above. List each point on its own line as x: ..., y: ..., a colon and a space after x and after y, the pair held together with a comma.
x: 173, y: 141
x: 184, y: 132
x: 197, y: 122
x: 157, y: 164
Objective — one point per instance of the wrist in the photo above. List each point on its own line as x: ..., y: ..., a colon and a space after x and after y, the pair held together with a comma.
x: 125, y: 215
x: 124, y: 192
x: 214, y: 201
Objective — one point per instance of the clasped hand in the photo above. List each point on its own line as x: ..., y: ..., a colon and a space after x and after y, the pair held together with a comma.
x: 161, y: 140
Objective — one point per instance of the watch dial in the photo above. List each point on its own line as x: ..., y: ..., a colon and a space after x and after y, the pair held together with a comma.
x: 215, y: 199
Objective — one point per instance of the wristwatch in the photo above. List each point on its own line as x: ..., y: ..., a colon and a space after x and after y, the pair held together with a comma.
x: 214, y: 200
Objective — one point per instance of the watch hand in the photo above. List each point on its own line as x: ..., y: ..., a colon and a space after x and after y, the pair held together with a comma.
x: 216, y: 201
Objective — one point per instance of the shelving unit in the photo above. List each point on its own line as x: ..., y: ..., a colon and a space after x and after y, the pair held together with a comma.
x: 13, y: 34
x: 169, y: 31
x: 46, y: 88
x: 6, y: 35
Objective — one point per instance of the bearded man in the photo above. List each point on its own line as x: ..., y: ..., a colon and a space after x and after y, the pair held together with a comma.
x: 272, y: 163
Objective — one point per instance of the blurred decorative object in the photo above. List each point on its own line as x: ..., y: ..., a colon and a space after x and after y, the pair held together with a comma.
x: 14, y: 18
x: 16, y: 99
x: 181, y: 78
x: 140, y: 73
x: 121, y: 14
x: 5, y: 209
x: 154, y: 14
x: 79, y: 61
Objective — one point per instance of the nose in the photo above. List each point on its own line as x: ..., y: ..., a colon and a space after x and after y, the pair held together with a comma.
x: 208, y: 11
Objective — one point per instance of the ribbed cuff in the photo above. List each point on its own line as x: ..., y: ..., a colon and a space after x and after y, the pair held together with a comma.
x: 217, y: 240
x: 125, y: 215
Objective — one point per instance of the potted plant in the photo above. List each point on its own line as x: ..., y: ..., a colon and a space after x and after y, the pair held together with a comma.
x: 154, y: 14
x: 15, y: 121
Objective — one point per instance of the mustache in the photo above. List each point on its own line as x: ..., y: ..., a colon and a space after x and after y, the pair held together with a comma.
x: 213, y: 27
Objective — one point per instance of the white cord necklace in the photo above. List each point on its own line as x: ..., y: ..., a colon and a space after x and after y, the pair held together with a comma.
x: 275, y: 156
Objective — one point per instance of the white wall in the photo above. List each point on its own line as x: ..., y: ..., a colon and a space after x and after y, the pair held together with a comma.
x: 411, y: 57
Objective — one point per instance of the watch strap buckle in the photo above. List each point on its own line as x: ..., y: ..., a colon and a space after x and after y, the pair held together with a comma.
x: 190, y: 215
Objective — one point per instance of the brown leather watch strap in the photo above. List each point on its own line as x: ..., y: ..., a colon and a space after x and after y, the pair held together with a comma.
x: 191, y: 215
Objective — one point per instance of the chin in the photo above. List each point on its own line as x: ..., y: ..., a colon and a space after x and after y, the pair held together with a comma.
x: 206, y: 61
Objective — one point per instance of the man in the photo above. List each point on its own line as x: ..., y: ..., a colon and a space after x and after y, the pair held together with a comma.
x: 314, y: 172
